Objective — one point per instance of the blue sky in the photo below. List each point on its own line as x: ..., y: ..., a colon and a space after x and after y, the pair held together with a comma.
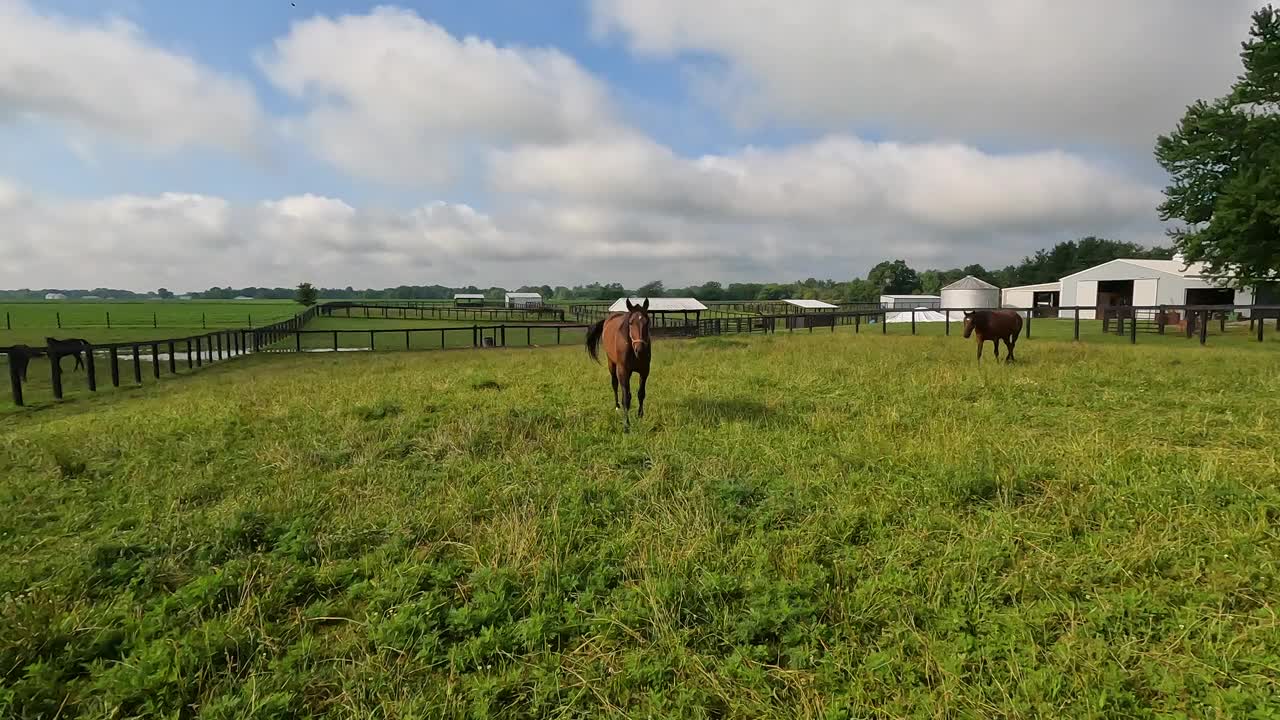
x: 567, y: 141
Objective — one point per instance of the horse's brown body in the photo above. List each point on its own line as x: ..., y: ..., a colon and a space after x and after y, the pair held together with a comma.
x: 626, y: 341
x: 994, y: 325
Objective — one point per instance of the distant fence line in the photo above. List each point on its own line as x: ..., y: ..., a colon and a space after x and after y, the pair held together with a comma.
x: 131, y: 322
x: 437, y: 311
x: 288, y: 335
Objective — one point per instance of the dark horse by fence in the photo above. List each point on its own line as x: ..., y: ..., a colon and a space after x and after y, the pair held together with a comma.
x: 994, y: 325
x: 20, y: 357
x: 627, y: 345
x: 70, y: 346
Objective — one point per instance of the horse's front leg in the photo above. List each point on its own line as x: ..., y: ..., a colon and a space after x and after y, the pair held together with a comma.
x: 624, y: 377
x: 981, y: 342
x: 644, y: 378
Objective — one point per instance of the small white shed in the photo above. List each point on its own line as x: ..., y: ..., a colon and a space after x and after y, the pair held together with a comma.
x: 1039, y: 296
x: 54, y: 296
x: 523, y: 300
x: 906, y: 302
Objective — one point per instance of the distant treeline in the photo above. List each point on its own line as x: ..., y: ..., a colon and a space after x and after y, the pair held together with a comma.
x: 890, y: 276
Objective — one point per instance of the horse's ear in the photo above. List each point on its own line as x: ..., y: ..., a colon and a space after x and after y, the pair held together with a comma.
x: 630, y: 307
x: 645, y: 306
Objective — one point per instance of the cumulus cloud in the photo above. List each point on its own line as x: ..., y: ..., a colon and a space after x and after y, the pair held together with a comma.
x: 1092, y: 71
x: 394, y: 98
x: 195, y: 241
x: 107, y: 78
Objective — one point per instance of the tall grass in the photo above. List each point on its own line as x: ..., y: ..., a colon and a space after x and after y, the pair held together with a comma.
x: 813, y: 526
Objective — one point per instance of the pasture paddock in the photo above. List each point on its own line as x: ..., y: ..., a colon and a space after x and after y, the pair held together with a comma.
x: 118, y: 320
x: 855, y: 526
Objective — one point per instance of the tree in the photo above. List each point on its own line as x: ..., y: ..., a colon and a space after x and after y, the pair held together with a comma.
x: 164, y: 293
x: 894, y: 278
x: 651, y: 289
x: 306, y: 294
x: 1224, y: 162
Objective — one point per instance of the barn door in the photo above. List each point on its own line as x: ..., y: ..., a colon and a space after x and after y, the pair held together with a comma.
x: 1087, y: 297
x: 1144, y: 292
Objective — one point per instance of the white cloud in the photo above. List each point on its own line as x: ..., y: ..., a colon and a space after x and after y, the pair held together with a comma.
x: 394, y: 98
x: 195, y: 241
x: 1093, y: 71
x: 109, y: 79
x: 836, y: 198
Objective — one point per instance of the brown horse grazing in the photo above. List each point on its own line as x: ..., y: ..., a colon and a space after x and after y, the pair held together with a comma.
x: 994, y: 325
x: 626, y: 344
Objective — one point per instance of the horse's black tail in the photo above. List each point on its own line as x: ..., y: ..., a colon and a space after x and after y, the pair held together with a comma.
x: 594, y: 333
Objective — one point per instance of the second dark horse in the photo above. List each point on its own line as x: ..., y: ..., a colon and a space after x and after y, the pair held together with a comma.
x: 994, y: 325
x: 70, y: 346
x: 626, y: 344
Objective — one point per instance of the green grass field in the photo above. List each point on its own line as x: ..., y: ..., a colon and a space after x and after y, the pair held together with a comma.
x: 31, y: 322
x: 807, y: 526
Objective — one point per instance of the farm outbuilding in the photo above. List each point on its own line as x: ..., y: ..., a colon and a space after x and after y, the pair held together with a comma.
x: 906, y: 302
x: 1146, y: 283
x: 688, y: 308
x: 468, y: 300
x: 523, y: 300
x: 1044, y: 297
x: 970, y: 293
x: 808, y: 306
x: 54, y: 296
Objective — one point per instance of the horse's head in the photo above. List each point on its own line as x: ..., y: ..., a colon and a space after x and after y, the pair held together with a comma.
x: 638, y: 325
x: 969, y: 318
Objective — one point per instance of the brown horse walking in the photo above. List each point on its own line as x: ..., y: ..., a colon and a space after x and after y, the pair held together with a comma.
x: 77, y: 347
x: 626, y: 344
x: 994, y: 325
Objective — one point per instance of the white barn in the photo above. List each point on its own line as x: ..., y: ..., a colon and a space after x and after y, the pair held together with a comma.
x: 1144, y: 283
x: 523, y: 300
x: 1039, y: 295
x: 54, y: 296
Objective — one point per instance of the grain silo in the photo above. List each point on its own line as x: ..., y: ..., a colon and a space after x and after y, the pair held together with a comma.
x: 970, y: 293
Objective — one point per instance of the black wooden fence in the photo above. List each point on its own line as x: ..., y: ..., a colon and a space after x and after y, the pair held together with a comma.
x: 195, y: 351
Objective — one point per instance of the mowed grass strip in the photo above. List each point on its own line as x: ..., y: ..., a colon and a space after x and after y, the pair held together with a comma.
x: 807, y: 526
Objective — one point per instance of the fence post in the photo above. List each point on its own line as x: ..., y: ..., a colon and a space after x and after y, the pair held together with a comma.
x: 203, y: 324
x: 297, y: 340
x: 503, y: 329
x: 137, y: 365
x: 1030, y: 314
x: 857, y: 324
x: 59, y: 315
x: 108, y: 319
x: 373, y: 345
x: 1204, y: 326
x: 475, y: 336
x: 1160, y: 319
x: 335, y: 341
x: 218, y: 339
x: 1133, y: 329
x: 946, y: 321
x: 190, y: 362
x: 406, y: 339
x: 884, y: 323
x: 1191, y: 322
x: 173, y: 362
x: 55, y: 373
x: 90, y: 369
x: 913, y: 321
x: 1261, y: 324
x: 557, y: 334
x: 441, y: 338
x: 199, y: 354
x: 1077, y: 324
x: 15, y: 378
x: 114, y: 355
x: 155, y: 360
x: 155, y: 323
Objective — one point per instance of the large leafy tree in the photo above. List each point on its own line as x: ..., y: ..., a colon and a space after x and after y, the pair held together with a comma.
x: 306, y: 294
x: 1224, y: 161
x: 894, y: 277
